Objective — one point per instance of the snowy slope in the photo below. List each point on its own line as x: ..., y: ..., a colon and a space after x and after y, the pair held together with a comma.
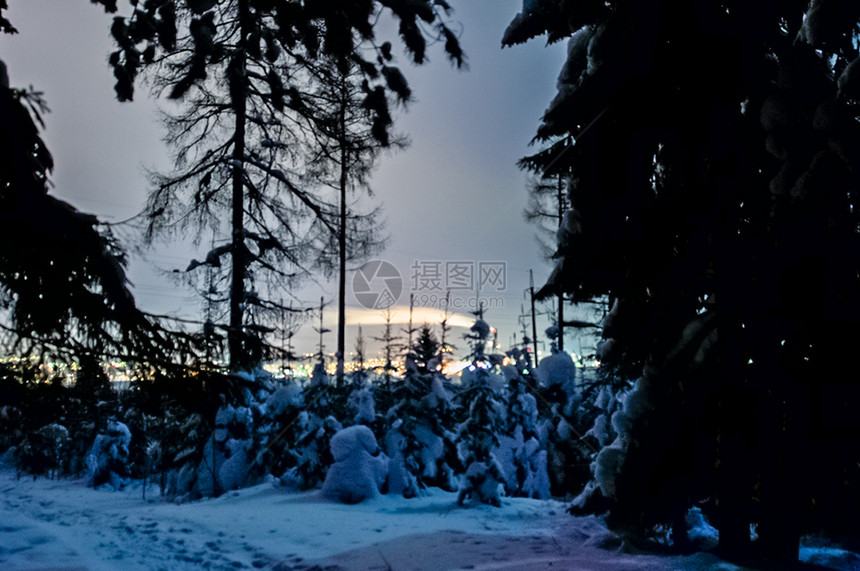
x: 64, y: 525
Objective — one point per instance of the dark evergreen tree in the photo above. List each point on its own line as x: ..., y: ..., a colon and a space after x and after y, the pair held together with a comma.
x: 62, y: 278
x: 426, y: 350
x: 41, y: 451
x: 402, y: 441
x: 391, y: 346
x: 362, y: 400
x: 547, y: 205
x: 714, y: 180
x: 478, y: 434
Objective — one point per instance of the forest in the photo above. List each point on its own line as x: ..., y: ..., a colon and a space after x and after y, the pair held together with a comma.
x: 694, y: 184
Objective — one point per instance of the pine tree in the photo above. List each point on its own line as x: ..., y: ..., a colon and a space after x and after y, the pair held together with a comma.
x: 362, y: 398
x: 547, y: 206
x: 402, y: 441
x: 712, y: 196
x: 391, y: 346
x: 62, y: 276
x: 478, y: 434
x: 246, y: 73
x: 426, y: 349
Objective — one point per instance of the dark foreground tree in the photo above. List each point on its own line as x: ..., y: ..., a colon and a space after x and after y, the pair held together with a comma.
x: 547, y: 205
x: 714, y: 187
x: 63, y: 288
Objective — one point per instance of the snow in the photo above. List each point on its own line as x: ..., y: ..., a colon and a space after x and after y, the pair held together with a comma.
x: 359, y: 470
x: 557, y: 369
x: 483, y: 482
x: 284, y: 397
x: 108, y: 455
x: 63, y: 524
x: 481, y: 329
x: 362, y: 403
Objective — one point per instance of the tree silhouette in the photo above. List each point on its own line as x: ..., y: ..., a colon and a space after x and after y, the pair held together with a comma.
x: 246, y: 73
x: 714, y: 181
x: 62, y: 278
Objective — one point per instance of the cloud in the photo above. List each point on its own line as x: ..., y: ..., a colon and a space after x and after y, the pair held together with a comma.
x: 400, y: 315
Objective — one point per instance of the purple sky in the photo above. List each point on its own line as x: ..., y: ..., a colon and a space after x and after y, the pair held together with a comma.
x: 454, y: 195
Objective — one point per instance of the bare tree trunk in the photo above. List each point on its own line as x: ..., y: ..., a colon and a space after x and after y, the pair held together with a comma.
x: 237, y: 278
x: 341, y: 300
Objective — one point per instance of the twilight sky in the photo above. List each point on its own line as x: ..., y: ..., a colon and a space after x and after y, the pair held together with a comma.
x: 452, y: 200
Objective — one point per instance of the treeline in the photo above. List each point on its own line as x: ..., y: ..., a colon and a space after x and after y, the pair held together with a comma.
x: 502, y: 427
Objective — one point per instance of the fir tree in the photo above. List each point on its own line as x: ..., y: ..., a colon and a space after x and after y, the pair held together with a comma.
x: 361, y: 397
x: 62, y: 277
x: 522, y: 447
x: 478, y: 434
x: 734, y: 207
x: 426, y: 349
x: 402, y: 441
x: 391, y: 346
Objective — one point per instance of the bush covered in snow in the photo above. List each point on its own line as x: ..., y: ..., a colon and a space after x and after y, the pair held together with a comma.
x: 487, y: 434
x: 107, y: 460
x: 359, y: 469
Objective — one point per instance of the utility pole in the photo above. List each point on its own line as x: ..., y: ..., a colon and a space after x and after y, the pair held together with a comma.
x: 410, y: 330
x: 523, y: 321
x: 287, y: 326
x: 534, y: 322
x: 561, y: 209
x: 445, y: 328
x: 321, y: 331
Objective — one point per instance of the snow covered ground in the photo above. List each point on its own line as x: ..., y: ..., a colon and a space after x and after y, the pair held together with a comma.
x: 48, y: 524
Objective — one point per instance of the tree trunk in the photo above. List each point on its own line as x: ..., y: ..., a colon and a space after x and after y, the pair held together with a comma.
x: 235, y: 335
x: 735, y: 481
x: 341, y: 300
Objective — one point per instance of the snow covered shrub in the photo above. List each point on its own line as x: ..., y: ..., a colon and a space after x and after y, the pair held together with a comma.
x: 279, y: 428
x: 107, y: 461
x: 173, y: 421
x: 416, y: 438
x: 359, y: 468
x: 42, y: 451
x: 315, y: 425
x: 312, y: 450
x: 606, y: 461
x: 483, y: 482
x: 479, y: 433
x: 557, y: 374
x: 442, y: 414
x: 226, y: 453
x: 11, y: 422
x: 362, y: 405
x: 532, y: 464
x: 522, y: 450
x: 179, y: 439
